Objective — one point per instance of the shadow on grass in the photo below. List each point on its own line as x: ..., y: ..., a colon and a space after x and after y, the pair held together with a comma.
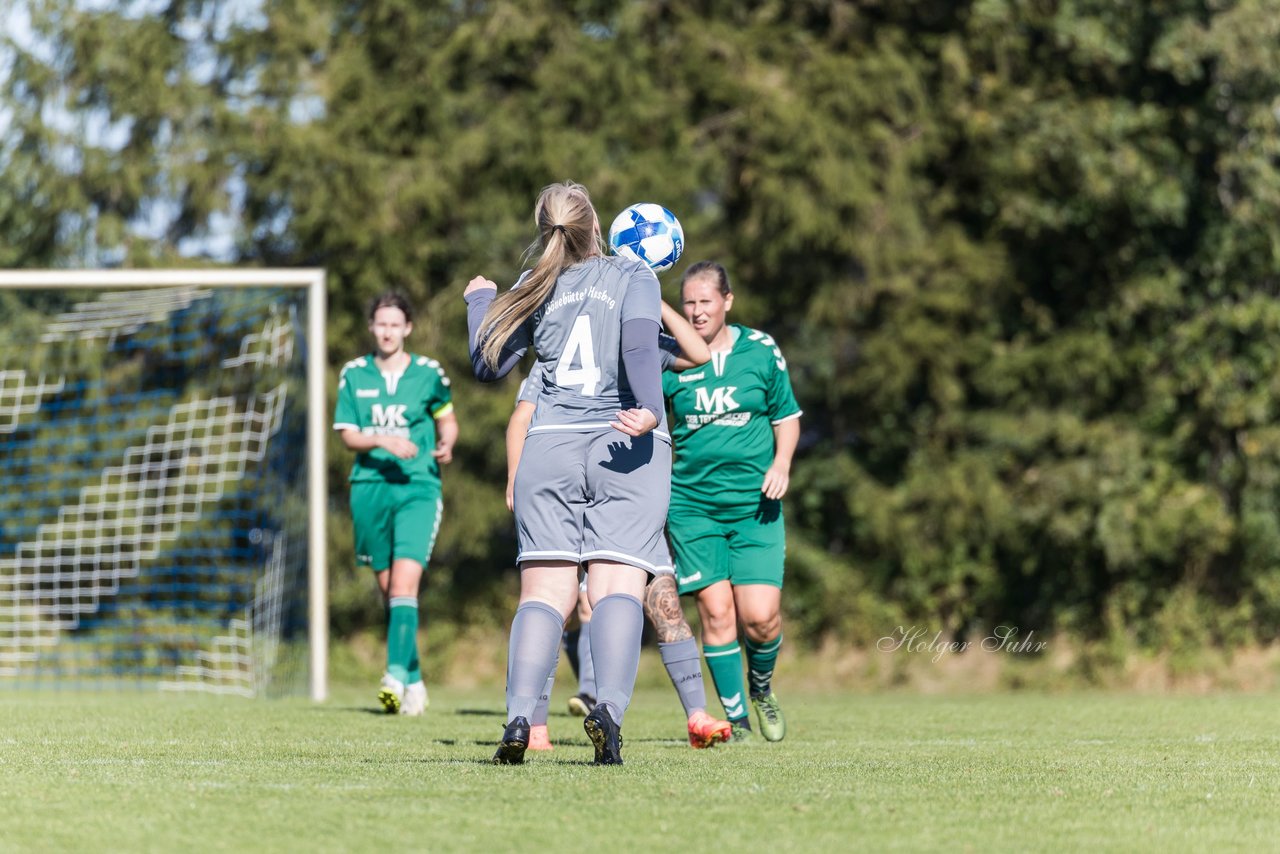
x: 537, y: 760
x: 368, y: 710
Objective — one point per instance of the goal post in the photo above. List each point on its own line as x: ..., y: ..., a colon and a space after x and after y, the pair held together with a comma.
x: 159, y: 524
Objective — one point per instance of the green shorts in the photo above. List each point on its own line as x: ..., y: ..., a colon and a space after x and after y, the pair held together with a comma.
x: 739, y: 545
x: 394, y: 520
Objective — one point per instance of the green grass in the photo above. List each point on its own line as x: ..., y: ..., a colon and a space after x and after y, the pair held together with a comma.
x: 128, y: 772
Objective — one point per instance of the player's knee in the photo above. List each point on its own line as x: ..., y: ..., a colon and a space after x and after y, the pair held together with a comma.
x: 404, y: 587
x: 762, y: 628
x: 720, y: 620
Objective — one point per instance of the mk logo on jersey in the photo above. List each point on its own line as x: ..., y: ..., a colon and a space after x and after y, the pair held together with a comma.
x: 389, y: 416
x: 717, y: 401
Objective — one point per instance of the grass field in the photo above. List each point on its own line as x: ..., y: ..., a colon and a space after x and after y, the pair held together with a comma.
x: 143, y: 772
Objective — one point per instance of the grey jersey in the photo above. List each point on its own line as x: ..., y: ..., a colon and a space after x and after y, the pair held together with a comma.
x: 577, y: 337
x: 528, y: 392
x: 668, y: 350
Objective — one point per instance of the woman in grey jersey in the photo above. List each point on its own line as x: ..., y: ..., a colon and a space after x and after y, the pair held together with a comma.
x: 681, y: 349
x: 594, y: 479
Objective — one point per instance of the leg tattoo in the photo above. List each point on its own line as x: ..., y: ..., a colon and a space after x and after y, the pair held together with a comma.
x: 662, y: 607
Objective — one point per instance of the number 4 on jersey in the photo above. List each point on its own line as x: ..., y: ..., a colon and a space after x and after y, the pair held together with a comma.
x: 579, y: 348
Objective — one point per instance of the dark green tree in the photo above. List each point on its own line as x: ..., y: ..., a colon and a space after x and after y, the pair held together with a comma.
x: 1022, y: 255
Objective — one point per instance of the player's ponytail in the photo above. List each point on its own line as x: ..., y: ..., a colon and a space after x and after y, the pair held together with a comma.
x: 568, y: 232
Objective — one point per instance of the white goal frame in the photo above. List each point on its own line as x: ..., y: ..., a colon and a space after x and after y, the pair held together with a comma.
x: 313, y: 279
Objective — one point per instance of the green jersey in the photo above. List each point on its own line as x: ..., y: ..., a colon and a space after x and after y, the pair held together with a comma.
x: 724, y: 413
x: 386, y: 404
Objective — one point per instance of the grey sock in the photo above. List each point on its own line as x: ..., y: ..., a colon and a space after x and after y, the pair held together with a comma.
x: 616, y: 624
x: 531, y: 656
x: 586, y: 667
x: 684, y: 666
x: 544, y: 699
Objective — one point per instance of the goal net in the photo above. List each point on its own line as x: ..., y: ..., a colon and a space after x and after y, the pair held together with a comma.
x: 162, y: 480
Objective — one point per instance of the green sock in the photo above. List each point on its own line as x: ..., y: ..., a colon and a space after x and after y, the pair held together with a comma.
x: 761, y: 658
x: 725, y: 664
x: 415, y: 666
x: 402, y: 637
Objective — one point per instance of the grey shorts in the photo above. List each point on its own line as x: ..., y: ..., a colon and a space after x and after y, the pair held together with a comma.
x: 594, y: 496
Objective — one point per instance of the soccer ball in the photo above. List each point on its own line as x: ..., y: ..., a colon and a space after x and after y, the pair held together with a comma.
x: 648, y: 233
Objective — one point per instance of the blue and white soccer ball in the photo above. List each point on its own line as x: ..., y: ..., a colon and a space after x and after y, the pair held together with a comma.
x: 648, y: 233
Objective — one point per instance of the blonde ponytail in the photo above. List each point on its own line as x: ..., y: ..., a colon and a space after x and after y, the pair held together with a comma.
x: 568, y: 232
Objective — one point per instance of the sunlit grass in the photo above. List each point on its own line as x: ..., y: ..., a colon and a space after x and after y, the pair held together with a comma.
x: 120, y: 771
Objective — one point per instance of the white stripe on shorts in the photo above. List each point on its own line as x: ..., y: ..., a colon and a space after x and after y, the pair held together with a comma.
x: 625, y: 558
x: 585, y: 427
x: 530, y: 556
x: 435, y: 530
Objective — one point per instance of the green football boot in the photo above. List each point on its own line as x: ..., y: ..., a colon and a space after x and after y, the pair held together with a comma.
x: 773, y: 726
x: 740, y: 733
x: 391, y: 694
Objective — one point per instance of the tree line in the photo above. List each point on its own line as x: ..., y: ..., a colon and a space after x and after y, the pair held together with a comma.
x: 1021, y: 256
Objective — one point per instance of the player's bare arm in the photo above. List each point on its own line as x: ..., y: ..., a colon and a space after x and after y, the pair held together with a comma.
x: 517, y: 428
x: 397, y: 445
x: 662, y: 607
x: 447, y: 433
x: 693, y: 350
x: 778, y: 476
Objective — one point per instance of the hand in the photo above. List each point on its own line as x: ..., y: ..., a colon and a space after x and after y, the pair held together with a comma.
x: 511, y: 494
x: 479, y: 283
x: 443, y: 453
x: 776, y: 480
x: 400, y: 447
x: 635, y: 422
